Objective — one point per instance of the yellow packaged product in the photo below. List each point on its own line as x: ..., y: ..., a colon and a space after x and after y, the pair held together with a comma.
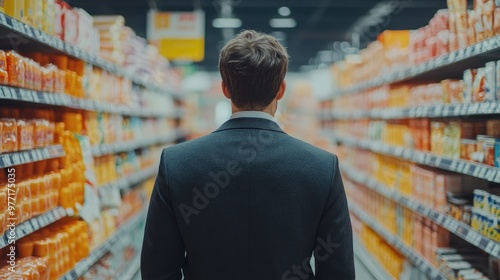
x: 14, y: 8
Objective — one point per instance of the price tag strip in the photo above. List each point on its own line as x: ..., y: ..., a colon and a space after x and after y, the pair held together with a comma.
x: 398, y: 244
x: 460, y: 229
x: 85, y: 264
x: 35, y: 224
x: 18, y: 158
x: 35, y: 35
x: 435, y: 111
x: 65, y: 100
x: 106, y: 149
x: 478, y: 170
x: 437, y: 64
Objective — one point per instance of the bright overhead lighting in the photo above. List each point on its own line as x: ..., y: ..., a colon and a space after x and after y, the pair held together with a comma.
x: 284, y: 11
x: 227, y: 23
x: 282, y: 23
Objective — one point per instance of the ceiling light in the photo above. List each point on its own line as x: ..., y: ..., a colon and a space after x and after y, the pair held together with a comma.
x: 227, y: 23
x: 284, y: 11
x: 282, y: 23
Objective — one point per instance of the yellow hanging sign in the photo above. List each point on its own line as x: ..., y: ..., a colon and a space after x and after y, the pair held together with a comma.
x: 178, y: 35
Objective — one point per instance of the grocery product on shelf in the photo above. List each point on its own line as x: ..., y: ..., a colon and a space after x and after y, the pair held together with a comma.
x: 61, y: 245
x: 472, y: 140
x: 405, y: 124
x: 448, y: 31
x: 28, y: 268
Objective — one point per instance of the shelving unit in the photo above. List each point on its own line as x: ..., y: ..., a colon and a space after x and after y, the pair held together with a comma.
x: 84, y: 265
x: 478, y: 170
x: 448, y: 66
x: 65, y: 100
x: 106, y: 149
x: 431, y: 271
x: 14, y: 31
x: 430, y: 111
x: 34, y: 224
x: 130, y: 181
x: 458, y: 228
x: 23, y: 157
x: 377, y: 271
x: 24, y: 38
x: 444, y: 67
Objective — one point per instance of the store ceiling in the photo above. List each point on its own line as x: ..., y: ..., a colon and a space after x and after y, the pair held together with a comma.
x: 319, y: 22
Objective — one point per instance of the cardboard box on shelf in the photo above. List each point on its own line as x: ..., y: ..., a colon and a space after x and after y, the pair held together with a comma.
x: 490, y: 83
x: 70, y: 26
x: 13, y: 8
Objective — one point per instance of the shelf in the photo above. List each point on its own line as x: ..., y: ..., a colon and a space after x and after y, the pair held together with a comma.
x: 456, y: 227
x: 84, y: 265
x: 129, y: 181
x: 106, y: 149
x: 133, y: 267
x: 65, y: 100
x: 23, y: 157
x: 34, y: 224
x: 431, y: 111
x: 417, y: 260
x: 371, y: 264
x: 16, y: 34
x: 447, y: 66
x: 478, y: 170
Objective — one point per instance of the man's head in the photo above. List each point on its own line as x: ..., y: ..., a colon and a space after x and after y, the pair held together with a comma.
x: 253, y: 66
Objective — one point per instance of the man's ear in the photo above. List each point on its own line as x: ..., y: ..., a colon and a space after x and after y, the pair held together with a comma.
x: 281, y: 91
x: 225, y: 91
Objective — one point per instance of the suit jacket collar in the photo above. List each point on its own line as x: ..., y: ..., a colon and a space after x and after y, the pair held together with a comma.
x: 250, y: 123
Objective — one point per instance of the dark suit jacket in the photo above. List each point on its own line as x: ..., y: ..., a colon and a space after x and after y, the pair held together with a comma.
x: 247, y: 202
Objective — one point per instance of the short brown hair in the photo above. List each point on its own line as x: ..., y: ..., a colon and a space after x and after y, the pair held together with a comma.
x: 253, y: 65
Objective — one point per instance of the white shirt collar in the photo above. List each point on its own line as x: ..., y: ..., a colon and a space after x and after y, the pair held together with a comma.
x: 253, y: 114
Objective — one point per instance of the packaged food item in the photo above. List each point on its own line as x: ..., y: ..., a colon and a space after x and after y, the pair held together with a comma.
x: 470, y: 149
x: 48, y: 74
x: 463, y: 40
x: 493, y: 128
x: 15, y: 69
x: 41, y: 128
x: 4, y: 75
x: 490, y: 83
x: 488, y: 11
x: 482, y: 149
x: 496, y: 24
x: 478, y: 91
x: 48, y: 22
x: 8, y: 135
x: 456, y: 89
x: 25, y: 132
x: 480, y: 128
x: 14, y: 8
x: 70, y: 26
x: 494, y: 202
x: 497, y: 153
x: 458, y: 208
x: 481, y: 200
x: 469, y: 78
x: 489, y: 152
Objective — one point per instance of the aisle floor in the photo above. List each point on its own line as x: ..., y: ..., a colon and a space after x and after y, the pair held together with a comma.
x: 361, y: 272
